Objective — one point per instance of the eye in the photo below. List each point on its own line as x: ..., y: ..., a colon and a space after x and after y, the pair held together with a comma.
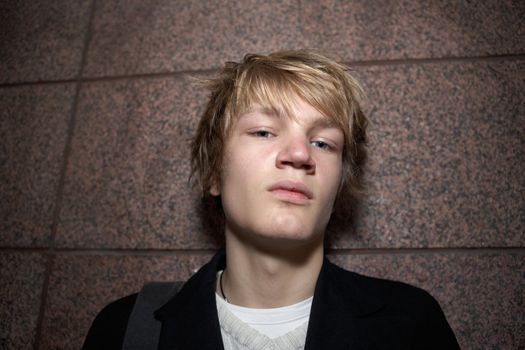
x: 322, y: 145
x: 262, y: 133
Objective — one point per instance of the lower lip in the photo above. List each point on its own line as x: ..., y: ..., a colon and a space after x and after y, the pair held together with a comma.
x: 291, y: 196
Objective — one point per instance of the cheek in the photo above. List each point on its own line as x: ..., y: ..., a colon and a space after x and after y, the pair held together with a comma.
x: 238, y: 171
x: 332, y: 183
x: 235, y: 168
x: 238, y: 185
x: 248, y: 161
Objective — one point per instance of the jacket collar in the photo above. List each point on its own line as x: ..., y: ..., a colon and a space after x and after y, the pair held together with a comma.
x: 339, y: 306
x: 190, y: 319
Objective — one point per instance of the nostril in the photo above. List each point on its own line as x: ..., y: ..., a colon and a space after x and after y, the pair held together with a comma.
x: 296, y: 154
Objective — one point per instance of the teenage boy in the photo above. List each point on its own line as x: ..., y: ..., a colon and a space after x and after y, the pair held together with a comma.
x: 281, y: 141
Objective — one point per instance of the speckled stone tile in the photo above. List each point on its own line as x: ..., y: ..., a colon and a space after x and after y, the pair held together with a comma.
x: 42, y: 40
x: 86, y: 283
x: 378, y: 30
x: 482, y: 295
x: 127, y: 179
x: 33, y: 128
x: 22, y: 276
x: 447, y: 157
x: 143, y: 37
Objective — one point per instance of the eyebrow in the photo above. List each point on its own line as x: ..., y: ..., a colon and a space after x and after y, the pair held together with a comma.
x: 325, y: 122
x: 279, y: 113
x: 321, y: 122
x: 268, y: 111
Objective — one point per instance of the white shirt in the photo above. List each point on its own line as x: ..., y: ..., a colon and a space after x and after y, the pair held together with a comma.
x: 282, y: 328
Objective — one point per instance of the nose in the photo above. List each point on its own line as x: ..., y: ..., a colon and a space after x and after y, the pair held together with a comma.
x: 296, y: 153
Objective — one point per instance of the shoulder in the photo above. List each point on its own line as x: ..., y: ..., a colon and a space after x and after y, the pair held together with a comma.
x: 394, y: 294
x: 413, y: 309
x: 109, y: 327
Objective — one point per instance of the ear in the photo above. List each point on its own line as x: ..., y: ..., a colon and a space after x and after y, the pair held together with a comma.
x: 215, y: 189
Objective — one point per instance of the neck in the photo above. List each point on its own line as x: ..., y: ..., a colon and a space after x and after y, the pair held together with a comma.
x: 271, y: 275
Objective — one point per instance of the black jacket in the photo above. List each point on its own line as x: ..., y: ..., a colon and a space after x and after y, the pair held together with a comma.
x: 349, y: 311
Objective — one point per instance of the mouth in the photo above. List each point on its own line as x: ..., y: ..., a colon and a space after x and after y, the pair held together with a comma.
x: 291, y: 191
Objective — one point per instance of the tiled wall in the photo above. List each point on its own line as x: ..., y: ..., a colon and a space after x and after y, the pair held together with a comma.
x: 97, y: 112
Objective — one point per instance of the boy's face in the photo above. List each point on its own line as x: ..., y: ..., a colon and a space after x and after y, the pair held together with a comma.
x: 281, y: 174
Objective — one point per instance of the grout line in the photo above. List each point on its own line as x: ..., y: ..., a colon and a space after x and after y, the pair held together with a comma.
x: 430, y: 250
x: 38, y: 82
x: 369, y: 63
x: 153, y: 75
x: 87, y: 39
x: 300, y: 26
x: 62, y: 179
x: 43, y: 299
x: 63, y: 170
x: 65, y: 160
x: 177, y: 251
x: 71, y: 129
x: 138, y: 252
x: 406, y: 61
x: 157, y: 75
x: 109, y: 251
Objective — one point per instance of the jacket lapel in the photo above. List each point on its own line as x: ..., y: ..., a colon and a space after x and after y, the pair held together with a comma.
x: 340, y: 305
x: 338, y: 310
x: 189, y: 319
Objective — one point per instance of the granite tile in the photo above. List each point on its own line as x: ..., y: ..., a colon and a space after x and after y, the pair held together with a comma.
x: 480, y: 294
x: 383, y: 29
x: 135, y: 36
x: 22, y: 276
x: 42, y: 40
x: 86, y: 283
x: 447, y: 157
x: 33, y: 128
x: 127, y: 182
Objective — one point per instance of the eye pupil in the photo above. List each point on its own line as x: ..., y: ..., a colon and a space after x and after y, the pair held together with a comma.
x: 321, y: 144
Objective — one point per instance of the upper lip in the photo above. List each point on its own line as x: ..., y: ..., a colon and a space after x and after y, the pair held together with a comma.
x: 294, y: 186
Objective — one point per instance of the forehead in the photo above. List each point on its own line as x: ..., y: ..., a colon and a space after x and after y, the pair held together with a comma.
x: 282, y: 95
x: 301, y: 112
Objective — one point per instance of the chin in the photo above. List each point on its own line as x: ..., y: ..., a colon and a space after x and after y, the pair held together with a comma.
x: 291, y: 233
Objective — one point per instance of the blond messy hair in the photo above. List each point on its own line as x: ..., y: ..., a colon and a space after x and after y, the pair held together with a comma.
x: 274, y: 82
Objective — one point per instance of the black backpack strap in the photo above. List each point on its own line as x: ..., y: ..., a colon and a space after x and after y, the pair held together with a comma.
x: 143, y: 330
